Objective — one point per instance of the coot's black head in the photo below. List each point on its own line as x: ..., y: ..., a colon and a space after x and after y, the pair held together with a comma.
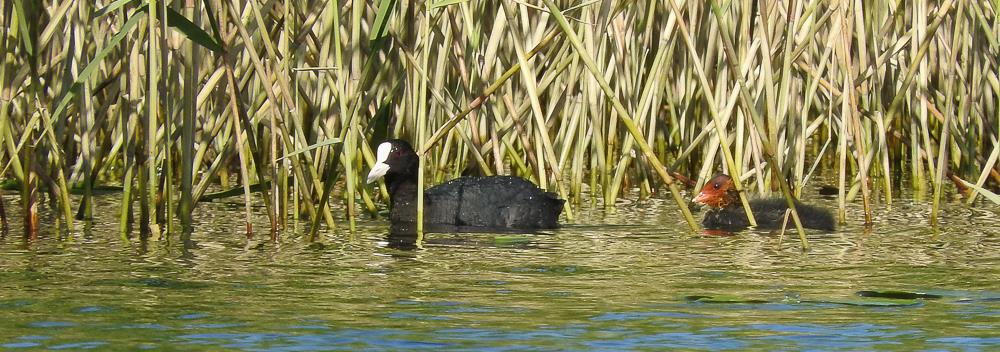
x: 394, y: 160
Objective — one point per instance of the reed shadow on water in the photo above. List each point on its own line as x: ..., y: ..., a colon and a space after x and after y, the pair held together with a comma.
x: 405, y: 236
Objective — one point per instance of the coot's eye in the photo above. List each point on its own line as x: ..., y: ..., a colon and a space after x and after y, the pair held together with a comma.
x: 716, y: 185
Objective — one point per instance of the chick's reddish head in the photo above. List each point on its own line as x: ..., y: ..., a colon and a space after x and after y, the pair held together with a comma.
x: 718, y: 192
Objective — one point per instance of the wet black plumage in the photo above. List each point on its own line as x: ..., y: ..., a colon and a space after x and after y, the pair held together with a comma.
x: 506, y: 202
x: 770, y: 214
x: 727, y: 213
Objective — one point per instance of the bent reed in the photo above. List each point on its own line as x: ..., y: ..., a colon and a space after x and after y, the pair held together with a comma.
x: 282, y: 101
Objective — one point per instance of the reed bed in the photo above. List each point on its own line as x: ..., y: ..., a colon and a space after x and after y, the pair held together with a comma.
x: 280, y: 102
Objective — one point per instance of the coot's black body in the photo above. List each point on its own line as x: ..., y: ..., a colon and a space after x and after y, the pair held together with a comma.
x: 490, y: 201
x: 770, y: 214
x: 502, y: 202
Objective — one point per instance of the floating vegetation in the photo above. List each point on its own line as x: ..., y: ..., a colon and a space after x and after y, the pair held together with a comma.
x: 898, y: 295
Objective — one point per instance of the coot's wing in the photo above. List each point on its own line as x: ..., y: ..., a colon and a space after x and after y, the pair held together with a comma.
x: 495, y: 201
x: 441, y: 203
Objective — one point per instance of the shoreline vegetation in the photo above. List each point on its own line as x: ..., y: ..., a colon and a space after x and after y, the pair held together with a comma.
x: 280, y: 102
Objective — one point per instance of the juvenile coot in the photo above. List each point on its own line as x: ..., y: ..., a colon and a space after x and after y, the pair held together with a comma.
x: 727, y: 212
x: 502, y: 202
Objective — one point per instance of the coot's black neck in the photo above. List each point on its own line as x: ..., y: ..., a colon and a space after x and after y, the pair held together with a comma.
x: 401, y: 186
x: 402, y: 183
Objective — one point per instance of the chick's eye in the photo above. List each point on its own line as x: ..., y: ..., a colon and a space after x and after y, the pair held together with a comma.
x: 715, y: 185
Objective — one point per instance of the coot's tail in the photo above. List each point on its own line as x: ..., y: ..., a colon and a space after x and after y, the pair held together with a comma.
x: 538, y: 212
x: 551, y: 216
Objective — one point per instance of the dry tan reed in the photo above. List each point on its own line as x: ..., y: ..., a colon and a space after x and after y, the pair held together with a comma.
x: 282, y: 100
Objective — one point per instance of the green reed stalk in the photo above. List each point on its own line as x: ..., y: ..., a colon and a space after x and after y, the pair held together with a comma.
x: 6, y: 136
x: 944, y: 147
x: 341, y: 88
x: 921, y: 51
x: 247, y: 128
x: 647, y: 96
x: 86, y: 122
x: 541, y: 134
x: 150, y: 119
x: 706, y: 90
x: 849, y: 113
x: 478, y: 101
x: 766, y: 144
x: 130, y: 129
x: 29, y: 194
x: 622, y: 113
x: 192, y: 9
x: 168, y: 139
x: 420, y: 101
x: 238, y: 125
x: 802, y: 102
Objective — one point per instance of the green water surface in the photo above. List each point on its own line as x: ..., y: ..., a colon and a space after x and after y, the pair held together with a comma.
x: 634, y: 279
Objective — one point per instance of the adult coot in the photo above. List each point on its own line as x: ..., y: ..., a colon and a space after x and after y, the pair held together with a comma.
x: 727, y: 212
x: 500, y: 202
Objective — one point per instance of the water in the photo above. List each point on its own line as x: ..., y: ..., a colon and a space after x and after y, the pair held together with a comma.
x: 635, y: 279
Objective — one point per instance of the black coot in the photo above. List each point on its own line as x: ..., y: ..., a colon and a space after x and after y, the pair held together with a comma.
x: 503, y: 202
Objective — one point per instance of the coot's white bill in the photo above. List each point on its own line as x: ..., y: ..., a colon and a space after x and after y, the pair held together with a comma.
x: 377, y: 172
x: 380, y: 167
